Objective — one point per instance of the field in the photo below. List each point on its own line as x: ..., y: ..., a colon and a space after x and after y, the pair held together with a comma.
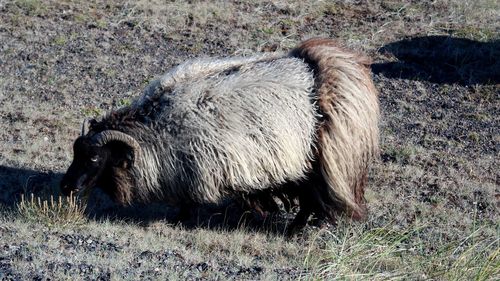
x: 433, y: 196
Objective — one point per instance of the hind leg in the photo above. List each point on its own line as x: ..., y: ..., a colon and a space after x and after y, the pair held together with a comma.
x: 308, y: 196
x: 313, y: 200
x: 300, y: 220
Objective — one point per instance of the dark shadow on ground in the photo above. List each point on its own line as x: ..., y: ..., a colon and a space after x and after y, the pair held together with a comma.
x: 227, y: 216
x: 17, y: 181
x: 443, y: 59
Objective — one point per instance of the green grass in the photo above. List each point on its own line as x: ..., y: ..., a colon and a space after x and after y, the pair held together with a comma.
x: 93, y: 112
x: 60, y: 40
x: 124, y: 102
x: 31, y: 7
x: 400, y: 154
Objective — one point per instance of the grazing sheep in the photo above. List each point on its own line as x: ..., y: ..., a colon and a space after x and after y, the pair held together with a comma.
x: 299, y: 125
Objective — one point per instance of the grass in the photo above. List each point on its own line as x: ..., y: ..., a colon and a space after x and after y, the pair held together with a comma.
x: 159, y: 250
x: 60, y: 40
x: 31, y: 7
x: 391, y: 253
x: 124, y: 102
x: 402, y: 155
x: 52, y: 212
x: 350, y: 252
x: 93, y: 112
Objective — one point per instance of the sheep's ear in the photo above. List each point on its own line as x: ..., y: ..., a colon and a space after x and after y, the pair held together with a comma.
x: 124, y: 164
x: 122, y: 155
x: 92, y: 123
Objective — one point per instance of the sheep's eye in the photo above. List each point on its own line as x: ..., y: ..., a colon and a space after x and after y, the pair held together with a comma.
x: 94, y: 158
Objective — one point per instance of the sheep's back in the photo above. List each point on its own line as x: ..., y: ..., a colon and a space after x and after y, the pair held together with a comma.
x: 240, y: 130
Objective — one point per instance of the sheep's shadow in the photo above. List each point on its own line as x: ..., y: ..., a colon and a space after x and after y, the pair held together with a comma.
x: 17, y: 181
x: 442, y: 59
x: 227, y: 216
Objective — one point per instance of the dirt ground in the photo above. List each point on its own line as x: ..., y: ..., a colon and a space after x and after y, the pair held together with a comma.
x: 436, y: 65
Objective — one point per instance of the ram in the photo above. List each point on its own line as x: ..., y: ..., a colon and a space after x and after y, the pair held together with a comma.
x: 298, y: 125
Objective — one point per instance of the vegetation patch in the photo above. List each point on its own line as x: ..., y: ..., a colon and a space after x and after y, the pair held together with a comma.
x: 67, y: 211
x: 392, y: 253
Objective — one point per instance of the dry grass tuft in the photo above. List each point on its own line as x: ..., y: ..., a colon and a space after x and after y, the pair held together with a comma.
x: 391, y: 253
x: 60, y: 212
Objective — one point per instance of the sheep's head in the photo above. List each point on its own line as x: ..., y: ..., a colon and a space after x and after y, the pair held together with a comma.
x: 103, y: 159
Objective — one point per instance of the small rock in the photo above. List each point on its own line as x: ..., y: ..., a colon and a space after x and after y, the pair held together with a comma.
x: 203, y: 266
x: 437, y: 115
x: 146, y: 255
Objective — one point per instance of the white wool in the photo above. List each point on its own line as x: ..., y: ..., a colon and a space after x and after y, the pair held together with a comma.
x: 239, y: 128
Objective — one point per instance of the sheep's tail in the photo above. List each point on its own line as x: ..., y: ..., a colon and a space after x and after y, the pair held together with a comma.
x: 348, y: 133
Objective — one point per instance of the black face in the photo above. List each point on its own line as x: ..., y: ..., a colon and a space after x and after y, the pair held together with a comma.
x: 89, y: 163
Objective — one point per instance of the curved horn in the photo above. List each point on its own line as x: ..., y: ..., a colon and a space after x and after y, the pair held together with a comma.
x: 84, y: 125
x: 112, y: 135
x: 87, y: 125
